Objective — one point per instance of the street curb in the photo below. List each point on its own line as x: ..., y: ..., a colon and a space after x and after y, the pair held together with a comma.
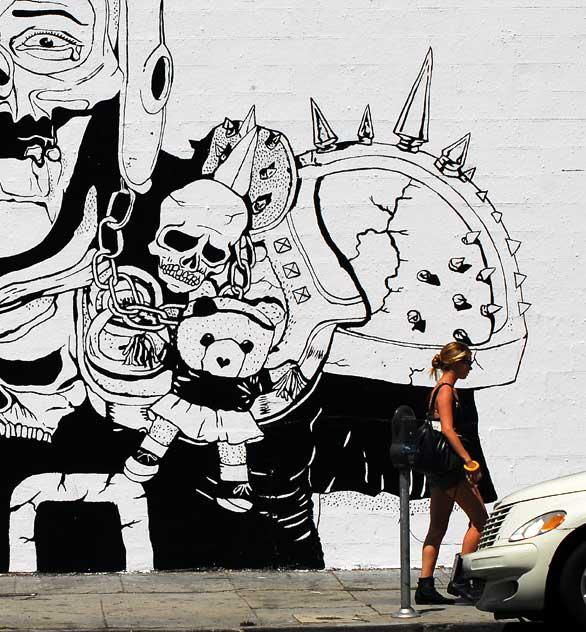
x: 366, y: 627
x: 377, y: 627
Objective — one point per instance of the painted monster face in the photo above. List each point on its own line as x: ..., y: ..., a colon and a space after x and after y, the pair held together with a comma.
x: 57, y: 62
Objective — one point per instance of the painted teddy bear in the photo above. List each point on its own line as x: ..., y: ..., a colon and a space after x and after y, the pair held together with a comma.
x: 217, y: 358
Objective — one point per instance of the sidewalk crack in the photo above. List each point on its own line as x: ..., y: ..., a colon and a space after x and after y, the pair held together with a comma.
x: 104, y: 621
x: 338, y: 579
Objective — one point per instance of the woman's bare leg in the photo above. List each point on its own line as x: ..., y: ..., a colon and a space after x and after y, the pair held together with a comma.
x: 469, y: 499
x: 440, y: 508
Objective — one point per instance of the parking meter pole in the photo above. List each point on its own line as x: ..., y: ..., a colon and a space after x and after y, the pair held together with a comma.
x: 403, y: 453
x: 406, y: 611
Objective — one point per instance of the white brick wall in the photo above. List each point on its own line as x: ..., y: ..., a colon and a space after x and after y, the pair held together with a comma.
x: 511, y: 72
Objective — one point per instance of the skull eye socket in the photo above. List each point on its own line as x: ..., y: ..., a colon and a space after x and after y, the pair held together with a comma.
x: 213, y: 255
x: 207, y: 340
x: 176, y: 240
x: 247, y: 346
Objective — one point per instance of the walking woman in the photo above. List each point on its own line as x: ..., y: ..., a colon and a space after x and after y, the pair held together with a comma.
x: 469, y: 486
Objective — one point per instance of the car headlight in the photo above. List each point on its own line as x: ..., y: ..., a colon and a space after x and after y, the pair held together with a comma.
x: 538, y: 526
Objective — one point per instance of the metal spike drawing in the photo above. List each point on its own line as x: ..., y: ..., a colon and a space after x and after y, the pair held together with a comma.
x: 461, y: 335
x: 470, y: 173
x: 366, y: 129
x: 425, y: 276
x: 324, y: 138
x: 523, y: 307
x: 458, y: 264
x: 482, y: 195
x: 485, y: 274
x: 249, y: 123
x: 490, y: 309
x: 519, y: 279
x: 261, y: 202
x: 453, y: 157
x: 513, y: 245
x: 460, y: 302
x: 273, y: 139
x: 497, y: 216
x: 236, y: 171
x: 471, y: 237
x: 455, y: 264
x: 412, y: 127
x: 230, y: 127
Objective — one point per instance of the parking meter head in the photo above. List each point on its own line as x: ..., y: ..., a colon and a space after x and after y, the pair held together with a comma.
x: 403, y: 431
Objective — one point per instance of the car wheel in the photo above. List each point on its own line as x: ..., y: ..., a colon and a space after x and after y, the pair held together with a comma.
x: 572, y: 586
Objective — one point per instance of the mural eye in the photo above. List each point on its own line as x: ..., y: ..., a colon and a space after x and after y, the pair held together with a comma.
x: 181, y: 242
x: 207, y: 340
x: 48, y: 45
x: 247, y: 346
x: 212, y: 254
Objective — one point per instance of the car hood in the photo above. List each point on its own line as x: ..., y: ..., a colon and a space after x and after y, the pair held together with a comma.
x: 555, y: 487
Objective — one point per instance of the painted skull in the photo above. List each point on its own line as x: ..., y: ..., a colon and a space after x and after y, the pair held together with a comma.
x: 57, y: 62
x: 39, y: 383
x: 199, y: 227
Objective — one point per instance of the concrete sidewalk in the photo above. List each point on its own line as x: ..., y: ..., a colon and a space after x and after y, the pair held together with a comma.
x: 253, y: 600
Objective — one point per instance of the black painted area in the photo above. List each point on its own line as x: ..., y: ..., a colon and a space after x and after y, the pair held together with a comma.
x: 188, y: 529
x: 79, y: 537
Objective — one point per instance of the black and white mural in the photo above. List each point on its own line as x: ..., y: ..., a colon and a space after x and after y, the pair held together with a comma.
x: 192, y: 348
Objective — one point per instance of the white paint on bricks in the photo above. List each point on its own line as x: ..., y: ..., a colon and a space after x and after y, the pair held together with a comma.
x: 128, y: 497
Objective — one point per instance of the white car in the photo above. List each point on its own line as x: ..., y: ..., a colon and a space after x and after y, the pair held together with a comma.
x: 531, y: 561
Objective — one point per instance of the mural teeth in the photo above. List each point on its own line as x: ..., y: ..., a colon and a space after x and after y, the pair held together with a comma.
x: 18, y: 430
x: 2, y: 429
x: 40, y: 434
x: 35, y: 152
x: 412, y: 127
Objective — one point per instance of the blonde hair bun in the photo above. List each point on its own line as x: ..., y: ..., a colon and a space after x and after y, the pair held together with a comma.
x: 450, y: 354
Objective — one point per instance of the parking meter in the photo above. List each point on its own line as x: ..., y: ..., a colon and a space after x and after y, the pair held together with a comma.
x: 403, y: 438
x: 403, y: 452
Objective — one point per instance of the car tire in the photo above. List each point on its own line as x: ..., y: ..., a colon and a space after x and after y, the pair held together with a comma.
x: 572, y: 586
